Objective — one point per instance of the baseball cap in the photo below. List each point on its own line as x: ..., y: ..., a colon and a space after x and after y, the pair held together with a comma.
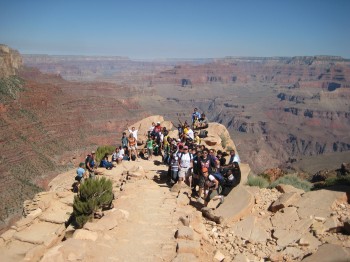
x: 93, y: 152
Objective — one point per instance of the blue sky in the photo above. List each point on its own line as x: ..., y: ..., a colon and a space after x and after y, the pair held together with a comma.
x: 177, y: 29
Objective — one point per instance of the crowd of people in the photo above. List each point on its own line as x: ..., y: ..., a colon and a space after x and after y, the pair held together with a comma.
x: 189, y: 162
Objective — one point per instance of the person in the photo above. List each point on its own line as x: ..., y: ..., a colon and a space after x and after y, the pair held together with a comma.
x: 134, y: 132
x: 185, y: 163
x: 149, y: 145
x: 124, y: 140
x: 126, y: 153
x: 118, y: 155
x: 197, y: 139
x: 212, y: 187
x: 79, y: 178
x: 202, y: 122
x: 233, y: 158
x: 195, y: 115
x: 90, y: 164
x: 105, y: 163
x: 204, y: 161
x: 132, y: 145
x: 232, y: 178
x: 174, y: 167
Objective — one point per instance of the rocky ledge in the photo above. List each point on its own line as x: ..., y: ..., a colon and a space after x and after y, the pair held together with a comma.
x: 152, y: 222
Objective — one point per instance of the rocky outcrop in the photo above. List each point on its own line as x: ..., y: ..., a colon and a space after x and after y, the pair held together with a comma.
x: 10, y: 61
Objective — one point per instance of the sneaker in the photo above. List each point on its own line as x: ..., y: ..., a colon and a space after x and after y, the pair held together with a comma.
x: 200, y: 200
x: 222, y: 199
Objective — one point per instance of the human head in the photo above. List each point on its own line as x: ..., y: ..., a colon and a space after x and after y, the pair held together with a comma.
x: 185, y: 148
x: 131, y: 135
x: 158, y: 123
x: 124, y: 134
x: 133, y: 128
x: 205, y: 152
x: 81, y: 164
x: 195, y: 109
x: 232, y: 152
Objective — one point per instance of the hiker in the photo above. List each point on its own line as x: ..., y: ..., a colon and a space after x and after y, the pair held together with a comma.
x: 195, y: 115
x: 149, y: 146
x: 125, y: 141
x: 212, y: 187
x: 118, y: 155
x: 233, y: 158
x: 90, y: 164
x: 132, y: 146
x: 125, y: 151
x: 202, y: 122
x: 79, y: 178
x: 134, y: 132
x: 185, y: 165
x: 195, y: 171
x: 204, y: 161
x: 174, y: 167
x: 232, y: 178
x: 105, y: 163
x: 197, y: 139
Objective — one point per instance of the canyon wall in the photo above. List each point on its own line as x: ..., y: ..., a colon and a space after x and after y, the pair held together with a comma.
x: 48, y: 125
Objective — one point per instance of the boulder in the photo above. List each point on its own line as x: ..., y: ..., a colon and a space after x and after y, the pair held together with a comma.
x: 329, y: 253
x: 319, y: 203
x: 284, y: 200
x: 237, y: 204
x: 248, y: 228
x: 288, y: 189
x: 184, y: 233
x: 188, y: 246
x: 83, y: 234
x: 219, y: 256
x: 185, y: 257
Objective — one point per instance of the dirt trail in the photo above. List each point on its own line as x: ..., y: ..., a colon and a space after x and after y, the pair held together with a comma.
x: 148, y: 234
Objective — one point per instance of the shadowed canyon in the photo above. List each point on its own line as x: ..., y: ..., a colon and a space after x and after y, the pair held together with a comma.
x: 288, y: 112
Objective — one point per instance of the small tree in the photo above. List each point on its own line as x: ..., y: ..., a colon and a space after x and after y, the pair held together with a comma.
x: 93, y: 195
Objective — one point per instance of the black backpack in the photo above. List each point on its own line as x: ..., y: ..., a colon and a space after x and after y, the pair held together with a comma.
x: 203, y: 134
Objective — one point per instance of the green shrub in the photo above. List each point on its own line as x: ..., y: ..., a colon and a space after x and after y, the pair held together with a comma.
x: 93, y: 194
x: 102, y: 150
x: 339, y: 180
x: 266, y: 176
x: 257, y: 181
x: 294, y: 181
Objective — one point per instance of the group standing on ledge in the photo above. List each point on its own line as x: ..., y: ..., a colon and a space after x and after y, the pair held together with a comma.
x: 204, y: 170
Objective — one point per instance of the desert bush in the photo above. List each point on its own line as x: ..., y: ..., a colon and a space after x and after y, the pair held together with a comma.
x: 294, y: 181
x: 102, y: 150
x: 257, y: 181
x: 339, y: 180
x: 93, y: 194
x: 266, y: 176
x: 10, y: 86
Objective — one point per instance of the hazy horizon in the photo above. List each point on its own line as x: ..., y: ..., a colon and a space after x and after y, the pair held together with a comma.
x: 147, y: 30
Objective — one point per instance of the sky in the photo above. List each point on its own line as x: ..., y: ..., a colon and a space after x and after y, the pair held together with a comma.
x: 177, y: 29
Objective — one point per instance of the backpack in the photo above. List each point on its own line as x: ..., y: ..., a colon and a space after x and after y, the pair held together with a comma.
x: 203, y: 134
x: 181, y: 154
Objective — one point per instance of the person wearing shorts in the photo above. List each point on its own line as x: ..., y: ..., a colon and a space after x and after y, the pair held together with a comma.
x: 185, y: 164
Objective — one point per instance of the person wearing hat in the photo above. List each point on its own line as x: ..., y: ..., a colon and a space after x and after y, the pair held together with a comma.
x: 90, y: 164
